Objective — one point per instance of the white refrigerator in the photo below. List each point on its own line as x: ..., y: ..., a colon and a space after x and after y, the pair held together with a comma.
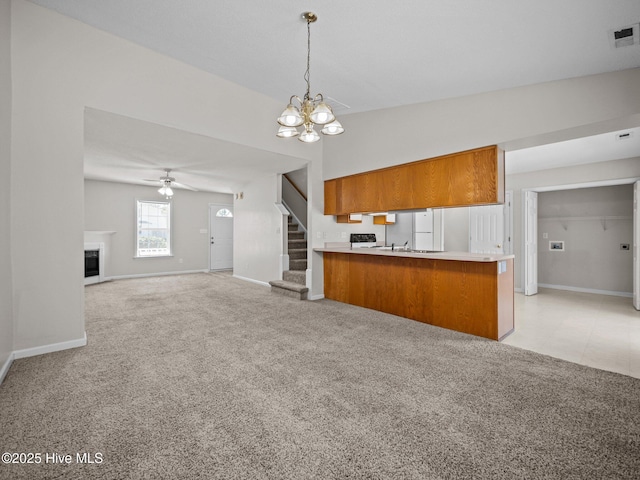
x: 423, y: 230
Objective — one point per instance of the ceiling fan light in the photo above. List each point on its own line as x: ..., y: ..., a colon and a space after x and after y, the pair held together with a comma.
x: 322, y: 114
x: 309, y: 135
x: 333, y: 128
x: 166, y: 190
x: 290, y: 117
x: 287, y: 132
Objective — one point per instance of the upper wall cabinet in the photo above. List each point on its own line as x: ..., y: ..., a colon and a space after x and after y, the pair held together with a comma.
x: 474, y: 177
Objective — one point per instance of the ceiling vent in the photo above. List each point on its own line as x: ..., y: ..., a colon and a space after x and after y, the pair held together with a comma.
x: 626, y: 36
x: 624, y: 135
x: 336, y: 105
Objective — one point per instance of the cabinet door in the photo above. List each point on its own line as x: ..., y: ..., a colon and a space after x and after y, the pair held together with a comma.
x: 330, y: 197
x: 475, y: 177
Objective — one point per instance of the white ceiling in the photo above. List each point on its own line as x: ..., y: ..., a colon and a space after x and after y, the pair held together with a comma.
x: 596, y: 148
x: 369, y: 54
x: 123, y: 149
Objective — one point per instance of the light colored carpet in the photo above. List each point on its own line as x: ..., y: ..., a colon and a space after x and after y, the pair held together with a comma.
x: 206, y: 376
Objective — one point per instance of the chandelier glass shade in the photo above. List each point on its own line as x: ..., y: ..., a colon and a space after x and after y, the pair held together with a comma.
x: 309, y: 111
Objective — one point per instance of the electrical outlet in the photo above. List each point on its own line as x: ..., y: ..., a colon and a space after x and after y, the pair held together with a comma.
x: 545, y: 235
x: 624, y: 246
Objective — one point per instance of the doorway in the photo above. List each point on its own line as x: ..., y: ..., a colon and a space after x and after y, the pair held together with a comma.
x: 220, y: 237
x: 530, y: 226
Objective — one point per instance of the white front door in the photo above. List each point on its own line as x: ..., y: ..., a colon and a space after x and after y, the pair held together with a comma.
x: 221, y: 237
x: 486, y: 229
x: 636, y: 245
x: 531, y: 243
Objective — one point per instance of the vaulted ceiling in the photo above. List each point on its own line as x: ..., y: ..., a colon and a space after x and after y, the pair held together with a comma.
x: 373, y: 54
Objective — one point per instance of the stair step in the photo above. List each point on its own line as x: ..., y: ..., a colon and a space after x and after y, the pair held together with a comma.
x: 297, y: 243
x: 295, y: 276
x: 297, y: 254
x: 292, y: 227
x: 295, y: 235
x: 289, y: 289
x: 298, y: 264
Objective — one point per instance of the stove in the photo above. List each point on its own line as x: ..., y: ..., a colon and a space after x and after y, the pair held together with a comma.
x: 363, y: 240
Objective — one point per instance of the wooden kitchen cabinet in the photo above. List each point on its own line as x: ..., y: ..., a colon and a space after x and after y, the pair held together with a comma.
x: 351, y: 218
x: 388, y: 219
x: 474, y: 177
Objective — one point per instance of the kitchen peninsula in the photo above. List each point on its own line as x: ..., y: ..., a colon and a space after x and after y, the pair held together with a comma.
x: 466, y: 292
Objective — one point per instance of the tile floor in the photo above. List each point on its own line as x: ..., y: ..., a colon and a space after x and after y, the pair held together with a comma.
x: 600, y: 331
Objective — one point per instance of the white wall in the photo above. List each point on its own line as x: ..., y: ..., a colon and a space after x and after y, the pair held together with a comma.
x: 60, y: 66
x: 111, y: 206
x: 257, y: 232
x: 592, y: 222
x: 6, y: 313
x: 301, y: 179
x: 403, y: 134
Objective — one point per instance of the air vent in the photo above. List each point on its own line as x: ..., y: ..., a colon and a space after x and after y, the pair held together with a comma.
x: 624, y: 135
x: 626, y: 36
x: 336, y: 105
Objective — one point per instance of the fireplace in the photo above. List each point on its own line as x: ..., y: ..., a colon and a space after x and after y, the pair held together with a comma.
x: 93, y: 263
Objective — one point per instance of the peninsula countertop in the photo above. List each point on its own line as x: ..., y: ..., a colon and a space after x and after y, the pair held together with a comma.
x: 399, y: 252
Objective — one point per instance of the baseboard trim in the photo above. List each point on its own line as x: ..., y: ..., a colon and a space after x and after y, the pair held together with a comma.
x: 316, y: 297
x: 52, y: 347
x: 264, y: 284
x: 586, y: 290
x: 159, y: 274
x: 5, y: 367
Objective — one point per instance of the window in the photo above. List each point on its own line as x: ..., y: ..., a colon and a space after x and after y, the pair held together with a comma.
x: 223, y: 212
x: 154, y: 229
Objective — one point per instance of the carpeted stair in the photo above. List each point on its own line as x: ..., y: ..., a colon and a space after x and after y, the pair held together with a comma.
x: 293, y: 283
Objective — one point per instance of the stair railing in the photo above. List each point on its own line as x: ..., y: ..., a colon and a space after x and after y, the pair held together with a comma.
x: 295, y: 201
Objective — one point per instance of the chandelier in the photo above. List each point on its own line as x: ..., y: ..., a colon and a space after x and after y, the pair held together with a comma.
x: 310, y: 111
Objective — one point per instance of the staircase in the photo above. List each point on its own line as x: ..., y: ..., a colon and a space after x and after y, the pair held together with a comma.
x: 293, y: 283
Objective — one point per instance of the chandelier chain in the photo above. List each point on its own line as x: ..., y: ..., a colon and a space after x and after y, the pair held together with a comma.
x: 307, y: 75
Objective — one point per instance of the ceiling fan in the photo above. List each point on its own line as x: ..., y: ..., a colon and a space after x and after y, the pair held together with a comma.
x: 168, y: 182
